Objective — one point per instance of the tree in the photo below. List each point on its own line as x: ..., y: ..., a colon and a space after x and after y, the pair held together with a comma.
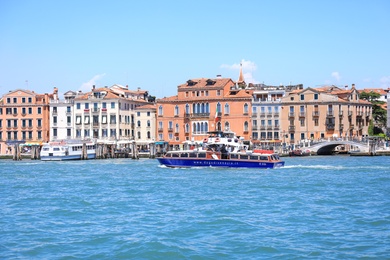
x: 378, y: 113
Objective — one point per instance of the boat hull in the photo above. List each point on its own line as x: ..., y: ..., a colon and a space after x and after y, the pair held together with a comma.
x: 186, y: 162
x: 66, y: 157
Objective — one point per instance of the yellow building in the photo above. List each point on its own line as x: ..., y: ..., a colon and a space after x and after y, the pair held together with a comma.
x: 327, y: 112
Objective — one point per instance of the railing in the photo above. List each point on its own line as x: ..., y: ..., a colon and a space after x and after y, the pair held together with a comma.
x: 291, y: 114
x: 316, y: 113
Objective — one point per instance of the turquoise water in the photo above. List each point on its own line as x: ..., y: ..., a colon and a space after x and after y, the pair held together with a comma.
x: 334, y: 207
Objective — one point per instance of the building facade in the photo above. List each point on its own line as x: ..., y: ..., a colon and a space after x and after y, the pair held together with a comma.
x: 203, y: 105
x: 24, y: 118
x: 317, y: 113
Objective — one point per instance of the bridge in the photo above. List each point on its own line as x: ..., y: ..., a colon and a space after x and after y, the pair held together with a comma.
x: 327, y: 147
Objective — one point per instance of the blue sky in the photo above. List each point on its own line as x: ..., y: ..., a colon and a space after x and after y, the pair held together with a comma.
x: 158, y: 45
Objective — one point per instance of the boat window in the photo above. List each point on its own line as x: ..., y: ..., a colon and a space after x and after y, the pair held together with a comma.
x: 264, y: 158
x: 56, y: 149
x: 254, y: 157
x: 184, y: 155
x: 168, y: 155
x: 175, y: 155
x: 244, y: 157
x: 45, y: 149
x: 233, y: 156
x: 193, y: 155
x: 202, y: 155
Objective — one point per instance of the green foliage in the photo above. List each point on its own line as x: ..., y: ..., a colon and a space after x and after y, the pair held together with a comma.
x: 371, y: 128
x: 378, y: 113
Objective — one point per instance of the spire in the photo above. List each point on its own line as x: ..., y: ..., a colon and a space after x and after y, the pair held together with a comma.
x: 241, y: 77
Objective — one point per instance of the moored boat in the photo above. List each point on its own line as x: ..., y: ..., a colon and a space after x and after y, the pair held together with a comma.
x: 222, y: 149
x: 68, y: 150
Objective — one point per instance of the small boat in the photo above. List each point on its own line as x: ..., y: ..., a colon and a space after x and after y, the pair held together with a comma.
x: 299, y: 152
x: 221, y: 149
x: 68, y: 150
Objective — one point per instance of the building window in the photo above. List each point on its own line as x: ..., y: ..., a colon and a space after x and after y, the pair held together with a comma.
x: 67, y: 109
x: 30, y: 110
x: 138, y: 113
x: 148, y: 123
x: 227, y: 109
x: 218, y: 92
x: 246, y: 108
x: 86, y: 106
x: 112, y: 119
x: 15, y: 100
x: 23, y: 110
x: 39, y: 134
x: 160, y: 110
x: 39, y: 122
x: 302, y: 97
x: 23, y: 100
x: 54, y: 120
x: 112, y: 104
x: 9, y: 102
x: 139, y: 123
x: 177, y: 128
x: 68, y: 132
x: 55, y: 132
x: 39, y: 110
x: 68, y: 119
x: 302, y: 121
x: 78, y: 106
x: 15, y: 111
x: 176, y: 110
x: 316, y: 96
x: 246, y: 126
x: 29, y: 100
x: 148, y: 113
x: 86, y: 119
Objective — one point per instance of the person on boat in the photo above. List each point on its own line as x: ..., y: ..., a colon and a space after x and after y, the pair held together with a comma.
x: 224, y: 152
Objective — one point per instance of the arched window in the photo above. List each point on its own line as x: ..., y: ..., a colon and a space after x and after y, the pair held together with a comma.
x: 176, y: 110
x: 148, y: 123
x: 194, y: 108
x: 227, y: 126
x: 148, y: 134
x: 246, y: 126
x: 198, y: 108
x: 227, y: 109
x: 207, y: 108
x: 206, y: 127
x: 203, y: 110
x: 218, y: 126
x: 160, y: 110
x: 219, y: 109
x: 177, y: 128
x: 139, y: 123
x: 246, y: 108
x: 194, y: 128
x: 187, y: 109
x: 187, y: 128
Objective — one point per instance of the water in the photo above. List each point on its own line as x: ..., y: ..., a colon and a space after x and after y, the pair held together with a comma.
x: 334, y: 207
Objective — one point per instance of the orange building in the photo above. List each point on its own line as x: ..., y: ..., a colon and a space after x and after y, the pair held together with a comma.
x: 327, y: 112
x: 24, y: 118
x: 203, y: 105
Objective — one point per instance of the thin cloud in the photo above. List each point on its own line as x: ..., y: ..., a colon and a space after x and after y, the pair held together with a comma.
x: 87, y: 86
x: 248, y: 67
x: 336, y: 76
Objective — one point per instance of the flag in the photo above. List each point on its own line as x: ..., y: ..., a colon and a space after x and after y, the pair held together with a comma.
x: 216, y: 114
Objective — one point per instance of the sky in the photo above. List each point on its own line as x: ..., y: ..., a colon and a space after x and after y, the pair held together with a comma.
x: 158, y: 45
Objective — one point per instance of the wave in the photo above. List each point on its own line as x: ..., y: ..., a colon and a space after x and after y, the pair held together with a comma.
x: 334, y: 167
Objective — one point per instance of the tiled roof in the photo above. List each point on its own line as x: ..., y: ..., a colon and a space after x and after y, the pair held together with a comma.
x: 205, y: 83
x: 149, y: 106
x: 375, y: 90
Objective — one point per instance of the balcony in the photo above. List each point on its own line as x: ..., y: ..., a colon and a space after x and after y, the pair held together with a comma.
x: 86, y: 110
x: 254, y: 114
x: 269, y: 115
x: 302, y: 114
x: 254, y: 127
x: 316, y: 113
x: 160, y: 129
x: 203, y: 115
x: 341, y: 127
x: 330, y: 114
x: 269, y: 127
x: 262, y: 114
x: 291, y: 128
x: 330, y: 126
x: 291, y: 114
x: 104, y: 110
x: 170, y: 129
x: 95, y: 110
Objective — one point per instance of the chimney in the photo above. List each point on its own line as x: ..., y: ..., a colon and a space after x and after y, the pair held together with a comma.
x: 353, y: 85
x: 93, y: 87
x: 346, y: 87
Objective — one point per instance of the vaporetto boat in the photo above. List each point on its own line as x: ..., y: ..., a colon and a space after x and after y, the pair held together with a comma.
x: 221, y: 149
x: 68, y: 150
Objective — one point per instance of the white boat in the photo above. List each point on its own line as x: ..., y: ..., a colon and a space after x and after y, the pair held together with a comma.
x: 68, y: 150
